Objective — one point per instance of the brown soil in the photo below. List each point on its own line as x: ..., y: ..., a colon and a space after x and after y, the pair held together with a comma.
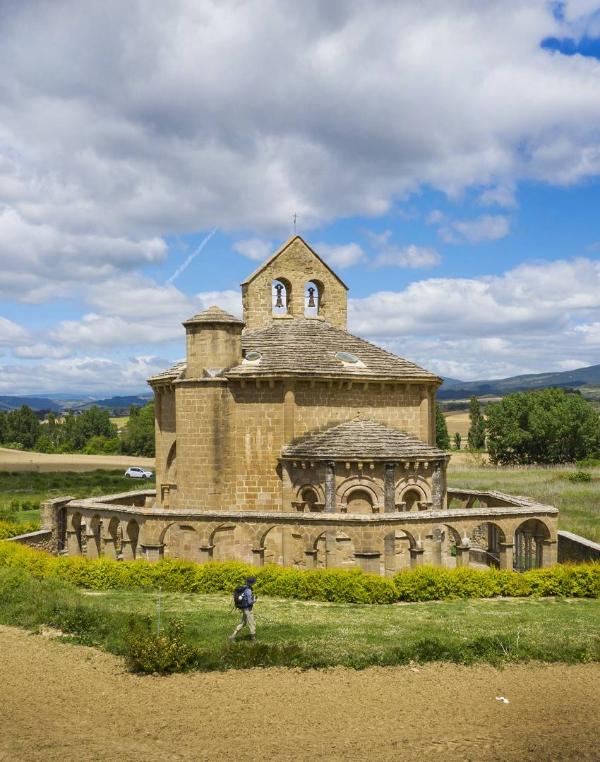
x: 64, y: 702
x: 22, y: 460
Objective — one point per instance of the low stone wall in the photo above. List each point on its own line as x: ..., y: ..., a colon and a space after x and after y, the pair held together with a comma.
x: 40, y: 540
x: 575, y: 549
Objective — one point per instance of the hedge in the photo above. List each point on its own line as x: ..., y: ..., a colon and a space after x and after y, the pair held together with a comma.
x: 338, y: 585
x: 10, y: 529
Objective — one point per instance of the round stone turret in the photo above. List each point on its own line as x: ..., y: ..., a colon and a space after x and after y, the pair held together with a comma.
x: 214, y: 343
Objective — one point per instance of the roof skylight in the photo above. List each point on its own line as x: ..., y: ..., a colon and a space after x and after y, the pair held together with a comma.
x: 347, y: 357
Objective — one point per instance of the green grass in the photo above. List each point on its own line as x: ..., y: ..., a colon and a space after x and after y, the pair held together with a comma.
x: 578, y: 503
x: 29, y: 487
x: 309, y: 634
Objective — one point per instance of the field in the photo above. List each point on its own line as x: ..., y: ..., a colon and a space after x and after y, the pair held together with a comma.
x: 22, y: 492
x: 578, y: 503
x: 120, y: 421
x: 458, y: 422
x: 94, y: 711
x: 26, y: 460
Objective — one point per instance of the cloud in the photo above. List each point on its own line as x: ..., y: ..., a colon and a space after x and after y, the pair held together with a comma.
x: 11, y: 333
x: 113, y: 136
x: 341, y: 255
x: 491, y: 326
x: 407, y: 256
x: 81, y: 374
x: 40, y: 350
x: 254, y: 248
x: 499, y: 195
x: 487, y: 227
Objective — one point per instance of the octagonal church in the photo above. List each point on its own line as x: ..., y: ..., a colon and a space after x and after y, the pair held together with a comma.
x: 285, y: 439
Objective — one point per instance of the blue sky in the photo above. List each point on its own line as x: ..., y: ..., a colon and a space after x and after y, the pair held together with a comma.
x: 452, y: 179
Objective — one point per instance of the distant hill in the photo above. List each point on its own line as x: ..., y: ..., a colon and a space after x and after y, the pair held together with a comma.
x: 116, y: 403
x: 8, y: 402
x: 587, y: 380
x: 60, y: 402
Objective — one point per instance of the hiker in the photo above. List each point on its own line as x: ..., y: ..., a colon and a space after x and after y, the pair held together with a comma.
x: 244, y: 599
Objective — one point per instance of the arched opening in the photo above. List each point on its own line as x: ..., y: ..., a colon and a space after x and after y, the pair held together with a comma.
x: 94, y: 542
x: 439, y: 546
x: 74, y: 535
x: 112, y: 538
x: 313, y: 293
x: 311, y: 500
x: 529, y: 544
x: 181, y: 541
x: 396, y: 552
x: 486, y: 539
x: 359, y: 501
x: 335, y: 549
x: 130, y: 541
x: 223, y: 542
x: 281, y: 297
x: 412, y: 499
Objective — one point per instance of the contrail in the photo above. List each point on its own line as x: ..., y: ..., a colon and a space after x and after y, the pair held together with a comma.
x: 195, y: 253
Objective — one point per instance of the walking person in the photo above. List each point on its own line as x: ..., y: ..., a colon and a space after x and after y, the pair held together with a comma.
x: 244, y: 599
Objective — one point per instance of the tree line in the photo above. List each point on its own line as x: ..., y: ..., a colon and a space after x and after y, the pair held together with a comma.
x: 91, y: 432
x: 546, y: 426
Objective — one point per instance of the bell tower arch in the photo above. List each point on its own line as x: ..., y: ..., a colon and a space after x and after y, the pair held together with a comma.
x: 294, y: 284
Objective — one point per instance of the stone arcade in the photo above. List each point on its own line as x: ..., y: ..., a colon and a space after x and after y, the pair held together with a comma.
x: 285, y: 439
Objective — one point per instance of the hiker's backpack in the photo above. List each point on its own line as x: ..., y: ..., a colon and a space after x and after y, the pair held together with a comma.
x: 239, y: 597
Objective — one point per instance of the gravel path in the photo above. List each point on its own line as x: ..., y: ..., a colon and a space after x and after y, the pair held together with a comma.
x: 65, y: 702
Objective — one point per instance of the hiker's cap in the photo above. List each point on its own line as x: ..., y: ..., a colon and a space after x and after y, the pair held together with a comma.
x: 251, y: 580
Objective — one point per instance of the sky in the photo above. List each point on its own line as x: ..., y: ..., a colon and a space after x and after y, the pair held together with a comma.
x: 444, y: 158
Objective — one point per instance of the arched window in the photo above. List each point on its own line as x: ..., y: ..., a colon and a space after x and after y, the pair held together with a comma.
x: 281, y: 297
x: 411, y: 499
x: 313, y: 292
x: 310, y: 497
x: 360, y: 501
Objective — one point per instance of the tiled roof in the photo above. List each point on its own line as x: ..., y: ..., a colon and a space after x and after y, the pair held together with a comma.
x: 308, y: 347
x: 213, y: 315
x: 362, y: 440
x: 173, y: 372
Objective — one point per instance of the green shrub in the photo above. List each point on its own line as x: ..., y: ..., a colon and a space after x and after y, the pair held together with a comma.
x: 163, y: 652
x: 10, y: 529
x: 579, y: 476
x: 427, y: 583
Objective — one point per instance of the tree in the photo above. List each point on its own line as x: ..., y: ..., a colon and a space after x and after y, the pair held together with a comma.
x: 457, y: 440
x: 23, y: 427
x: 545, y: 426
x: 137, y: 438
x: 442, y: 438
x: 476, y: 435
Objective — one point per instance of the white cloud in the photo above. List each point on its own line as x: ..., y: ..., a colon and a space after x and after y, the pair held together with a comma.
x: 11, y: 333
x: 487, y: 227
x: 40, y: 350
x: 113, y: 135
x: 499, y: 195
x: 407, y: 256
x: 492, y: 326
x: 341, y: 255
x: 254, y: 248
x: 87, y: 374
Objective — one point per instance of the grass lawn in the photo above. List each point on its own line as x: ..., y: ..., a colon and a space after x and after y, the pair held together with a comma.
x: 311, y: 634
x: 22, y: 492
x: 578, y: 503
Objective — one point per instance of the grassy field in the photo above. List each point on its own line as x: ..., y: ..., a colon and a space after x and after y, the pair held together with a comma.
x: 22, y: 492
x: 578, y: 503
x: 458, y: 422
x: 310, y: 634
x: 120, y: 421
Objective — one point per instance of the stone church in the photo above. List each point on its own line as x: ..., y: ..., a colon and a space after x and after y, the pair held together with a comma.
x: 285, y: 439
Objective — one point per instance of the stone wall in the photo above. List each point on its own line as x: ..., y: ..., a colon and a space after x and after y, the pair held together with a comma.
x: 575, y: 549
x: 40, y: 540
x: 295, y: 266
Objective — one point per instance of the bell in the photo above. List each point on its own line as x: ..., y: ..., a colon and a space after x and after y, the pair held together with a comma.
x: 311, y: 297
x: 279, y: 300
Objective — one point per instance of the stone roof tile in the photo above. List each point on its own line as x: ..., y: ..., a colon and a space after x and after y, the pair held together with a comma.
x: 213, y: 315
x: 308, y: 347
x: 362, y: 440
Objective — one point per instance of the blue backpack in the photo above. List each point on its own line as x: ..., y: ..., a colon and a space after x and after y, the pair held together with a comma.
x: 240, y: 599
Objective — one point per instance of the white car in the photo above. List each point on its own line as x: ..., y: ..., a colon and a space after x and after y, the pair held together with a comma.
x: 134, y: 472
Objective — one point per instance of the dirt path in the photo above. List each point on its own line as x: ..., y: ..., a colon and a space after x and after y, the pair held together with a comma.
x: 22, y: 460
x: 64, y: 702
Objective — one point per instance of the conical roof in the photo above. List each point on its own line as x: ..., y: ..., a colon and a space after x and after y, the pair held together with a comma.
x: 213, y: 314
